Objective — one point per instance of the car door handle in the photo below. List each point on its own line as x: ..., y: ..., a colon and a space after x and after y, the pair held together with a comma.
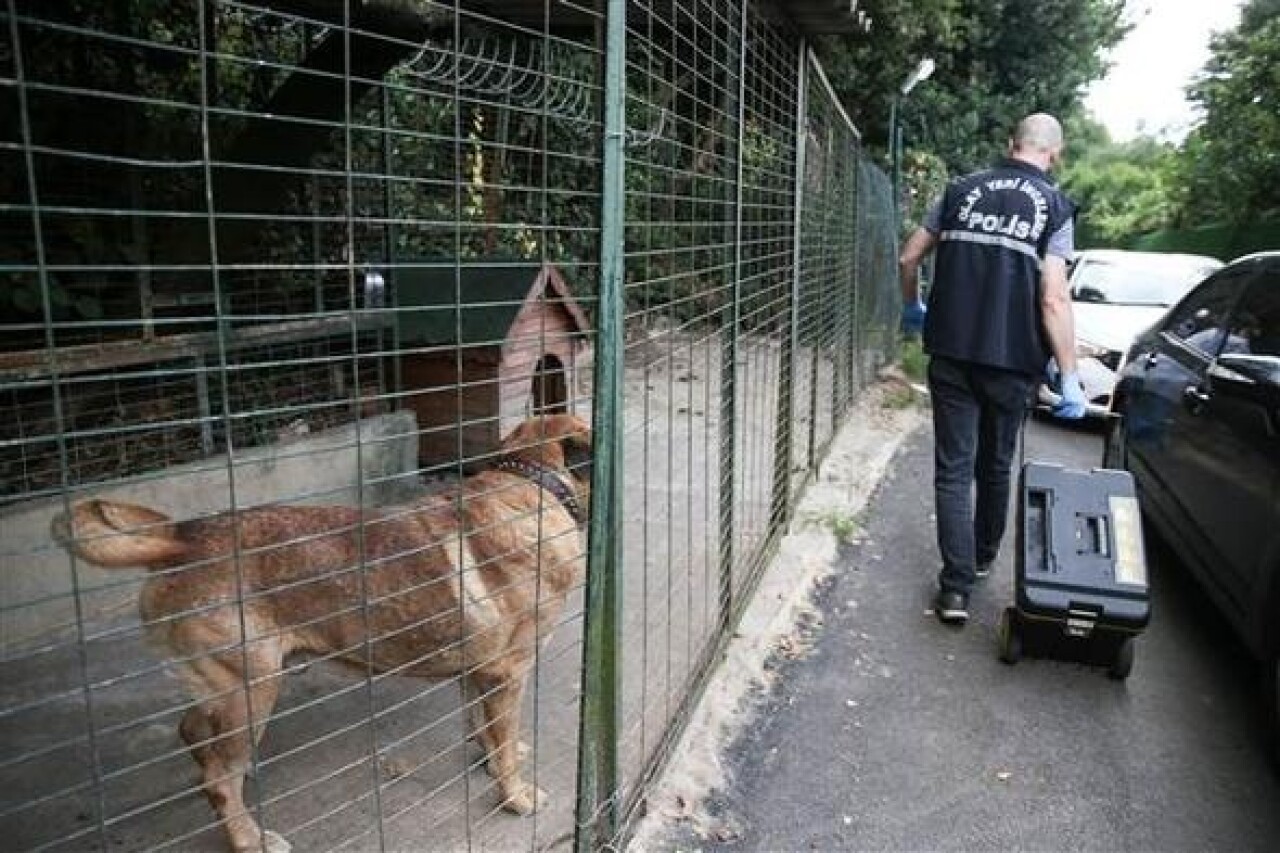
x: 1196, y: 398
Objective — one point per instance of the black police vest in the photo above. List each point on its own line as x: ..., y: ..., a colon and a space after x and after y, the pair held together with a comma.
x: 984, y: 302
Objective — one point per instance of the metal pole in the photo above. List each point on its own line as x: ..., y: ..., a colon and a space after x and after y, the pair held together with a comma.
x: 892, y: 149
x: 597, y: 807
x: 857, y: 341
x: 729, y: 355
x: 897, y: 176
x: 786, y: 371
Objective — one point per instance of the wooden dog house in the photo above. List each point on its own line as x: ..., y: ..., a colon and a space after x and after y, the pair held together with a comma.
x: 482, y: 347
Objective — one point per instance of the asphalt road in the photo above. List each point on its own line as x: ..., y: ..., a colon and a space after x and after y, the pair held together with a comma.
x: 898, y: 733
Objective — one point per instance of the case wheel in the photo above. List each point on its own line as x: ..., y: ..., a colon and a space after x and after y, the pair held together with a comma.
x: 1010, y: 637
x: 1122, y: 665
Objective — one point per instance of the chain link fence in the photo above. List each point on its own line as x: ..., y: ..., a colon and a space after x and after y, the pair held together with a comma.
x: 303, y: 305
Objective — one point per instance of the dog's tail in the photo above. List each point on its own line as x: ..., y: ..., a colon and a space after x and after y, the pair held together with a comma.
x: 118, y: 535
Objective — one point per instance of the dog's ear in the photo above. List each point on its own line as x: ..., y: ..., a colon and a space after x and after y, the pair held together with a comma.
x: 578, y: 455
x: 574, y: 436
x: 558, y: 441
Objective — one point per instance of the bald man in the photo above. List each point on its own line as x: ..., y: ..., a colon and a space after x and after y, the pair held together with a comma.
x: 998, y: 308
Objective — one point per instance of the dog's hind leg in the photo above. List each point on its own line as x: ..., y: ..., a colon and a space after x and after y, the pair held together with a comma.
x: 480, y: 733
x: 500, y: 699
x: 218, y: 732
x: 479, y: 724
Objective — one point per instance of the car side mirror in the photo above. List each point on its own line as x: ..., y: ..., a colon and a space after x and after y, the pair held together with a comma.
x: 1251, y: 370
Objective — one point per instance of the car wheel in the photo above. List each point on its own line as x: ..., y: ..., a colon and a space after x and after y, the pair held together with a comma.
x: 1122, y: 665
x: 1010, y: 637
x: 1114, y: 452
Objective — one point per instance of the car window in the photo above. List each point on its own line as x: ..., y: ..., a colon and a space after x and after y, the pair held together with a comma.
x: 1200, y: 320
x: 1255, y: 324
x: 1136, y: 282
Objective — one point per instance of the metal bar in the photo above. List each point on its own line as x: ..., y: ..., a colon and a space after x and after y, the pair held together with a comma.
x: 855, y: 312
x: 208, y: 71
x: 597, y: 807
x: 729, y: 357
x: 203, y: 408
x: 837, y: 250
x: 374, y: 769
x: 815, y: 357
x: 783, y: 441
x: 459, y: 454
x: 389, y: 246
x: 897, y: 173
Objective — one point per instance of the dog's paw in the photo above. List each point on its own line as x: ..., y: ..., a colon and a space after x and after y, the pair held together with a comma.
x: 268, y: 842
x: 525, y: 799
x: 273, y: 842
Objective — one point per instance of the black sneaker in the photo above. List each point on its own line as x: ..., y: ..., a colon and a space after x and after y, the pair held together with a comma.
x: 952, y: 607
x: 982, y: 571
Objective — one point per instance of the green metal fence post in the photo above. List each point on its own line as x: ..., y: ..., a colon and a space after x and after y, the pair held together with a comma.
x: 855, y: 291
x: 820, y: 312
x: 597, y: 806
x: 786, y: 370
x: 848, y: 219
x: 729, y: 352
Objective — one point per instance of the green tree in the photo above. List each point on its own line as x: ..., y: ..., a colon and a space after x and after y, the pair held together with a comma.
x: 1230, y: 164
x: 1122, y: 189
x: 997, y: 60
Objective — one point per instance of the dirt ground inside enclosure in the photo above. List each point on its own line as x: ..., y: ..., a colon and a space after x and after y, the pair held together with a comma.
x: 426, y: 790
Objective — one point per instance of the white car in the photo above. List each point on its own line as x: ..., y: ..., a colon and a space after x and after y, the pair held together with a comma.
x: 1117, y: 295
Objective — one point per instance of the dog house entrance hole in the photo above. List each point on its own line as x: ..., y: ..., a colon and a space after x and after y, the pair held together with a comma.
x: 550, y: 390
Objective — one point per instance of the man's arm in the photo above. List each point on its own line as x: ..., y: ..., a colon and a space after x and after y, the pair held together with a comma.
x: 918, y: 245
x: 1056, y: 311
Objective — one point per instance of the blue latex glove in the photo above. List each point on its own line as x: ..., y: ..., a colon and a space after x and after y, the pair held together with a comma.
x: 913, y: 319
x: 1071, y: 404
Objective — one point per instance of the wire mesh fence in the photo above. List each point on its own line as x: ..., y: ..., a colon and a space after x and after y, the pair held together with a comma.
x: 306, y: 312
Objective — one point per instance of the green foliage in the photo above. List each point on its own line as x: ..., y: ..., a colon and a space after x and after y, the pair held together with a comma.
x: 1220, y: 241
x: 914, y: 361
x: 900, y: 397
x: 1121, y: 188
x: 842, y: 525
x: 997, y: 60
x: 1226, y: 171
x: 924, y: 177
x: 1230, y: 169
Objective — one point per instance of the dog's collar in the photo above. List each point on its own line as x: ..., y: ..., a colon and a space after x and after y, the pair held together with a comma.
x: 551, y: 481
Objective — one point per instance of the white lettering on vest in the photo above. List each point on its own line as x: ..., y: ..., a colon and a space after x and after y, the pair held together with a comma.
x: 1009, y: 225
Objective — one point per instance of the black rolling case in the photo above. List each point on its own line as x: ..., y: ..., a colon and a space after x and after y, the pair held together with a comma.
x: 1081, y: 579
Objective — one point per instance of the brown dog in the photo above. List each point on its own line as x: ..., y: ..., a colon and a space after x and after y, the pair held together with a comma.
x: 445, y: 586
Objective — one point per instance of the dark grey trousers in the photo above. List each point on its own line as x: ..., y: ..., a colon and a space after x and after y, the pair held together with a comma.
x: 978, y: 412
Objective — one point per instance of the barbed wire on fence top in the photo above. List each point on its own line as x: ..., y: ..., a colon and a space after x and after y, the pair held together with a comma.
x: 531, y: 73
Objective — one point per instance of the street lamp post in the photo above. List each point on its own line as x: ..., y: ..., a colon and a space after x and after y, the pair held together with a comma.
x: 922, y: 73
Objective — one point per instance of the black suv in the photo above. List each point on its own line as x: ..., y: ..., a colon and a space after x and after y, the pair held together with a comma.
x: 1199, y: 400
